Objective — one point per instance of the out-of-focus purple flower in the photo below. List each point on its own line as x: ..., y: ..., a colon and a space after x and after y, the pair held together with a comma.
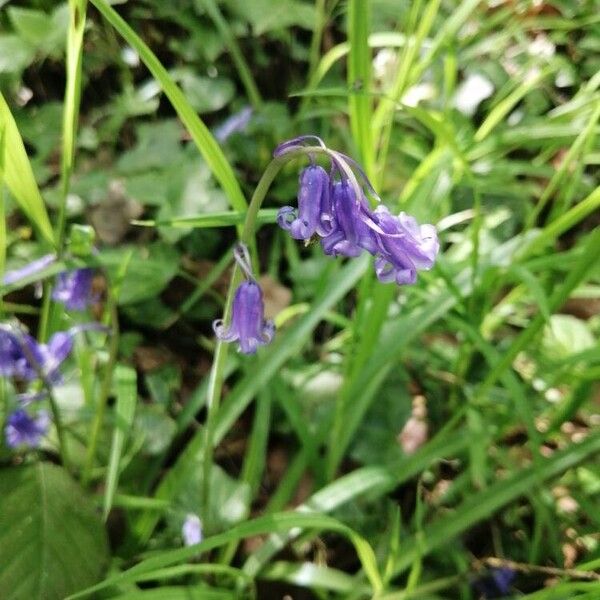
x: 496, y: 584
x: 404, y: 246
x: 29, y: 269
x: 314, y: 206
x: 11, y: 354
x: 236, y: 122
x: 248, y: 325
x: 21, y: 356
x: 350, y: 235
x: 23, y: 430
x: 191, y: 530
x: 74, y: 288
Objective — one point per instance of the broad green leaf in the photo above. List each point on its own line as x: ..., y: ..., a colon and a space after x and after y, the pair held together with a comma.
x: 52, y: 541
x: 265, y: 15
x: 149, y: 270
x: 205, y: 142
x: 18, y: 175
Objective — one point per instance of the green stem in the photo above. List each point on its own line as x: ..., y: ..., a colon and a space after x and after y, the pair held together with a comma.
x: 315, y: 43
x: 77, y: 9
x: 236, y: 53
x: 104, y: 391
x: 215, y: 382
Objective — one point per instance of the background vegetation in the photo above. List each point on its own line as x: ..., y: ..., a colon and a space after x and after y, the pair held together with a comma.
x: 432, y: 441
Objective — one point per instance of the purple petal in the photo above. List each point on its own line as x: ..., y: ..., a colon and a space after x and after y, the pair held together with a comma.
x: 74, y: 289
x: 248, y: 325
x: 191, y: 530
x: 29, y: 269
x: 236, y: 122
x: 23, y: 430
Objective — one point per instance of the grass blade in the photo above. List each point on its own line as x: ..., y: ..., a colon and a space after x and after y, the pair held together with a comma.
x: 18, y: 175
x: 126, y: 384
x: 204, y: 140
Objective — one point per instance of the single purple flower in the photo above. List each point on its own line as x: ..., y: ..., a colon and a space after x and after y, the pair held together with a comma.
x: 496, y: 584
x: 248, y: 325
x: 236, y: 122
x: 349, y: 235
x: 314, y: 206
x: 74, y: 288
x: 404, y: 246
x: 29, y: 269
x: 21, y: 356
x: 24, y: 430
x: 191, y: 530
x: 11, y: 353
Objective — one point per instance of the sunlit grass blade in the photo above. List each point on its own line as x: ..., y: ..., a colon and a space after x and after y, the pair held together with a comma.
x: 360, y: 104
x: 18, y: 175
x: 215, y: 219
x: 482, y: 505
x: 204, y: 140
x: 126, y: 392
x: 279, y: 522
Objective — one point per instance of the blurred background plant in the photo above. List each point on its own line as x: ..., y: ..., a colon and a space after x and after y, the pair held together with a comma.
x: 432, y: 441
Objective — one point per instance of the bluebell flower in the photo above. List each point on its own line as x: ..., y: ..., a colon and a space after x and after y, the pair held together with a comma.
x: 29, y: 269
x: 23, y: 430
x: 347, y: 225
x: 74, y: 288
x: 236, y: 122
x: 403, y: 246
x: 248, y: 324
x: 314, y: 206
x: 191, y: 530
x: 22, y: 357
x: 350, y: 234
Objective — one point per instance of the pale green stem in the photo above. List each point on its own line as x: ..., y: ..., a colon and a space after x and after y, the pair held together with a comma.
x: 104, y: 390
x: 236, y: 54
x: 77, y: 10
x: 215, y: 382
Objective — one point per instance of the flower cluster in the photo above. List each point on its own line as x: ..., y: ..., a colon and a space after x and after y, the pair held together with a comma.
x: 248, y: 325
x: 334, y: 207
x: 27, y: 361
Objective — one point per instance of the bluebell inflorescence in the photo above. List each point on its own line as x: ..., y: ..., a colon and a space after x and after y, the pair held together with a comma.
x: 248, y: 324
x: 334, y: 207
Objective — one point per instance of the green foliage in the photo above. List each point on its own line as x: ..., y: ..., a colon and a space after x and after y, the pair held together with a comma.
x: 53, y: 543
x: 391, y: 442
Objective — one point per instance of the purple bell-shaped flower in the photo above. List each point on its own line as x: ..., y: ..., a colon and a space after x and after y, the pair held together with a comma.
x: 314, y: 207
x: 404, y: 246
x: 350, y: 235
x: 74, y: 288
x: 23, y: 430
x: 248, y: 325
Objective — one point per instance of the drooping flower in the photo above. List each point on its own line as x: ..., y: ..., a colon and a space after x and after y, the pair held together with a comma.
x: 404, y: 246
x: 248, y: 325
x: 347, y: 225
x: 29, y: 269
x: 191, y: 530
x: 24, y: 430
x: 495, y: 584
x: 74, y: 288
x: 349, y: 235
x: 314, y: 206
